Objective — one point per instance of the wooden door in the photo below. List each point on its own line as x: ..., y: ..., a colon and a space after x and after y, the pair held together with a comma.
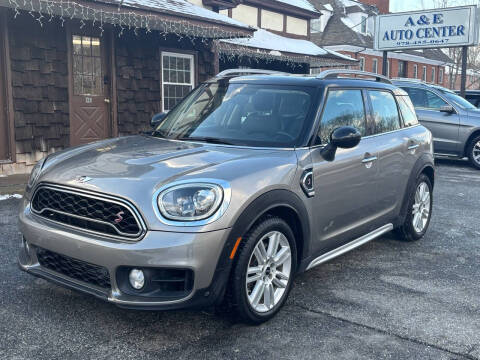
x: 89, y: 103
x: 4, y: 129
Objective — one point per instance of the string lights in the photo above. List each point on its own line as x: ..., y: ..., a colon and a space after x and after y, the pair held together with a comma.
x: 45, y: 10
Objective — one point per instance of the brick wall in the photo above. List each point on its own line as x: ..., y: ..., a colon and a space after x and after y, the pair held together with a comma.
x: 394, y: 64
x: 40, y: 90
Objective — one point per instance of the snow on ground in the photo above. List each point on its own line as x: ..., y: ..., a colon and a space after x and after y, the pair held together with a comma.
x: 8, y: 196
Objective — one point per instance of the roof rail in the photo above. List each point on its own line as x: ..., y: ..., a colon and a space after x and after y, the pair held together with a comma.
x: 334, y: 73
x: 409, y: 79
x: 230, y: 72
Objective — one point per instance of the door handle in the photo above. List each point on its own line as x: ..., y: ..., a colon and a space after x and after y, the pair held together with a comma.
x: 369, y: 159
x: 414, y: 146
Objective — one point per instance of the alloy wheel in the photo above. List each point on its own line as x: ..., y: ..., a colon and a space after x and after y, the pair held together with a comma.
x: 421, y: 207
x: 476, y: 152
x: 268, y: 271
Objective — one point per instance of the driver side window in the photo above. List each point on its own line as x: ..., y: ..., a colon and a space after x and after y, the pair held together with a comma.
x: 342, y: 108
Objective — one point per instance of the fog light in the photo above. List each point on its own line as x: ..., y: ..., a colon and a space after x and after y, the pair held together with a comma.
x: 137, y: 278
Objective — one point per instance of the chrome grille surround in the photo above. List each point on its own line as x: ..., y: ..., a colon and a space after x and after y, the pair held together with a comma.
x: 91, y: 203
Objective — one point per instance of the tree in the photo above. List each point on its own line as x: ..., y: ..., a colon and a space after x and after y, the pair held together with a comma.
x: 473, y: 58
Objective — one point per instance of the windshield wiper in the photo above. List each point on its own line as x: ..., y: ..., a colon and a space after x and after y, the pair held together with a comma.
x: 207, y: 139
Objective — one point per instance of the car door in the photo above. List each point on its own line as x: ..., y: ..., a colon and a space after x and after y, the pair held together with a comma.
x: 394, y: 146
x: 344, y: 205
x: 443, y: 125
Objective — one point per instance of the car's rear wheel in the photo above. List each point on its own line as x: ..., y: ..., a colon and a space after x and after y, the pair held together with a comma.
x: 473, y: 152
x: 264, y: 270
x: 419, y: 211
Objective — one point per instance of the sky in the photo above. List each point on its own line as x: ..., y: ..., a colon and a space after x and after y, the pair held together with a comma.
x: 410, y: 5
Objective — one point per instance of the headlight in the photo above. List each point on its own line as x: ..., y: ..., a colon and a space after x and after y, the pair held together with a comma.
x: 37, y: 169
x: 190, y: 202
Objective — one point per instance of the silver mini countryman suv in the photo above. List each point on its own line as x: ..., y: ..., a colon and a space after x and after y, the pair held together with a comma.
x: 251, y: 179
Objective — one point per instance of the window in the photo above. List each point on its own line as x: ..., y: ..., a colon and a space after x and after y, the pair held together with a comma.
x: 385, y: 111
x: 363, y: 28
x: 316, y: 26
x: 388, y: 68
x: 362, y: 63
x: 407, y: 110
x: 87, y: 66
x: 424, y: 74
x: 342, y: 108
x: 440, y: 76
x: 433, y: 75
x: 375, y: 66
x: 415, y: 71
x: 177, y: 79
x: 402, y: 69
x: 424, y: 99
x: 242, y: 114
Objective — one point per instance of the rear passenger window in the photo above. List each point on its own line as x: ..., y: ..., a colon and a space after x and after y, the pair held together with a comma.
x: 407, y: 110
x: 342, y: 108
x: 385, y: 111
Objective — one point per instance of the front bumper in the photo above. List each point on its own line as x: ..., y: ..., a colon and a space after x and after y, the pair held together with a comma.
x: 202, y: 253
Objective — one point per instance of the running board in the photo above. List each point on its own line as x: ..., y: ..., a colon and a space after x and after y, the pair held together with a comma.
x: 350, y: 246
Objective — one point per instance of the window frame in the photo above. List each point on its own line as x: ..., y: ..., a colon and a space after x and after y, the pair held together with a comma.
x: 440, y: 76
x: 364, y: 25
x: 433, y: 75
x: 375, y: 62
x: 415, y: 71
x: 192, y: 83
x: 362, y: 63
x: 424, y: 73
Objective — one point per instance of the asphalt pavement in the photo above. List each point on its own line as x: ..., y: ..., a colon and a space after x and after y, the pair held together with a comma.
x: 385, y: 300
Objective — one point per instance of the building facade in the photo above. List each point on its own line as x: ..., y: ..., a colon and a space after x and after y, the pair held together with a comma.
x: 347, y: 27
x: 75, y: 75
x: 282, y: 40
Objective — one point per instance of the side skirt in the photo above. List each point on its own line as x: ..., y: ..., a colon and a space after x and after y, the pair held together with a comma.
x: 350, y: 246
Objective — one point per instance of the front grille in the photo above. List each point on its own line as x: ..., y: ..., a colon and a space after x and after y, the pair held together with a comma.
x: 73, y: 268
x: 86, y: 212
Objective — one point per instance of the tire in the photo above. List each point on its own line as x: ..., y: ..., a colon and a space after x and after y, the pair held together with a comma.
x: 240, y: 295
x: 473, y: 152
x: 410, y: 229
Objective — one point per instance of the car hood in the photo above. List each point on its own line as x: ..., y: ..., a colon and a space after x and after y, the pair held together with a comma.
x: 135, y: 167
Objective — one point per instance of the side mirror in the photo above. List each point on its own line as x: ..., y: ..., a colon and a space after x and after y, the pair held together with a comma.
x: 157, y: 119
x: 345, y: 137
x: 447, y: 109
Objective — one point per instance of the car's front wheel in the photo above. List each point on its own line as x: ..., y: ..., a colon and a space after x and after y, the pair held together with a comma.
x: 473, y: 152
x: 419, y: 210
x: 264, y: 270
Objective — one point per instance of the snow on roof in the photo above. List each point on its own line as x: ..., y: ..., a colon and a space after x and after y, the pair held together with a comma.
x: 181, y: 7
x: 348, y: 22
x: 303, y: 4
x: 263, y: 39
x: 329, y: 7
x: 348, y: 3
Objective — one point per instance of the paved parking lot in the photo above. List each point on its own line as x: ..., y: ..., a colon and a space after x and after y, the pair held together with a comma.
x: 385, y: 300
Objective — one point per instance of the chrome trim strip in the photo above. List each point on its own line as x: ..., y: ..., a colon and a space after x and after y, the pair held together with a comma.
x: 103, y: 197
x: 350, y: 246
x: 369, y: 159
x: 227, y: 194
x: 411, y: 147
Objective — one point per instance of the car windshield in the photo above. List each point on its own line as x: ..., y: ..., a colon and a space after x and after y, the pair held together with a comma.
x: 241, y: 114
x: 458, y: 100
